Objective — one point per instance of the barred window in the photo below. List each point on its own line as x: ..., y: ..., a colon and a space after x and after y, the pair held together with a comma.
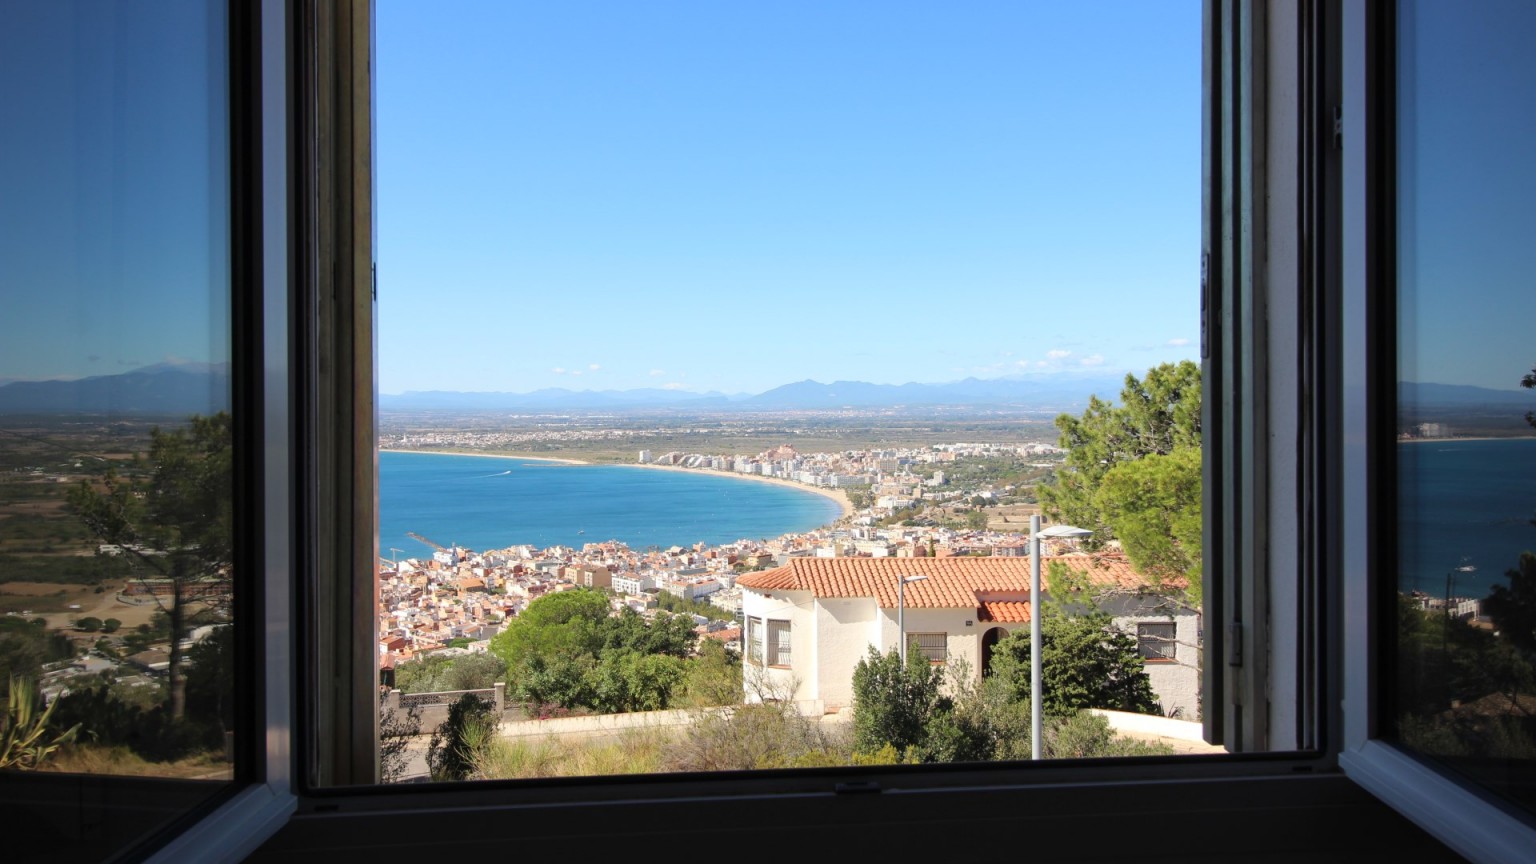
x: 935, y: 646
x: 778, y: 643
x: 755, y: 640
x: 1155, y: 640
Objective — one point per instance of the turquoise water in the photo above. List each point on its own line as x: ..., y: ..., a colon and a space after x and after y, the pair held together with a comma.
x: 492, y: 502
x: 1464, y: 502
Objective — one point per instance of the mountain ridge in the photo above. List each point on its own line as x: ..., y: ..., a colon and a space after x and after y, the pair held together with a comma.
x: 191, y: 388
x: 162, y: 389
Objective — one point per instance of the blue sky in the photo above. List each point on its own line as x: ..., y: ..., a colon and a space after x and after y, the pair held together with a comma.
x: 734, y: 196
x: 113, y: 187
x: 1467, y: 247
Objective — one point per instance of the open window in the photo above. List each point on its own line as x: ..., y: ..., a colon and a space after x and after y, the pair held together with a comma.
x: 1303, y: 110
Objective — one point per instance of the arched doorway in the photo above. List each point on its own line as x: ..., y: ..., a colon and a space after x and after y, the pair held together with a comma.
x: 988, y: 640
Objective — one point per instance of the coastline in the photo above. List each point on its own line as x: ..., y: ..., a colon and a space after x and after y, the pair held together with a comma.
x: 1468, y: 438
x: 491, y: 456
x: 837, y: 495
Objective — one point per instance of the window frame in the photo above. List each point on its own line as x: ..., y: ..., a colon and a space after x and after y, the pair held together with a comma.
x: 260, y: 199
x: 1465, y: 818
x: 753, y: 639
x: 291, y: 725
x: 1239, y: 25
x: 1161, y: 647
x: 915, y: 638
x: 777, y: 646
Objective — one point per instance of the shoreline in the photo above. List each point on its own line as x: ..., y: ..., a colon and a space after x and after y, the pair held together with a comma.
x: 492, y: 456
x: 837, y: 495
x: 1468, y: 438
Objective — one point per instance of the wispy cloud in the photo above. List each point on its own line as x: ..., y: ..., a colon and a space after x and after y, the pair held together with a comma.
x: 594, y: 366
x: 672, y: 385
x: 657, y: 373
x: 1058, y: 353
x: 1179, y: 342
x: 558, y: 370
x: 1092, y: 360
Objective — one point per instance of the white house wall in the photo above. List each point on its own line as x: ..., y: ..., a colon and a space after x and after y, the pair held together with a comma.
x: 1177, y: 684
x: 845, y: 628
x: 829, y: 636
x: 794, y: 607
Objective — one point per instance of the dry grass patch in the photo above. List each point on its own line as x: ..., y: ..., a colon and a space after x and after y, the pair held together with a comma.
x: 122, y: 762
x: 635, y: 751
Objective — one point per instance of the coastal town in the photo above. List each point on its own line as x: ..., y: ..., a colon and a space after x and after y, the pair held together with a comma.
x: 457, y: 597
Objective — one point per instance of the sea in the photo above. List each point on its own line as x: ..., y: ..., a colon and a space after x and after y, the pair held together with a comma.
x: 1463, y: 503
x: 485, y: 502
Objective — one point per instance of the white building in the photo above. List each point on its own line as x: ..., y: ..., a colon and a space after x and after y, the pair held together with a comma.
x: 809, y: 622
x: 632, y: 583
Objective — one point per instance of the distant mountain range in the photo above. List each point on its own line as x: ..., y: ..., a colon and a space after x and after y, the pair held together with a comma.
x: 1412, y: 394
x: 191, y: 388
x: 1033, y: 393
x: 165, y: 389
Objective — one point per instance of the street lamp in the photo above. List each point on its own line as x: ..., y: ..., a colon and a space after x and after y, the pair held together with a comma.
x: 1036, y: 724
x: 1450, y: 577
x: 1036, y: 727
x: 901, y: 614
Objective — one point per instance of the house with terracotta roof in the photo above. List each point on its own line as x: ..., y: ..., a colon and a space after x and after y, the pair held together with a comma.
x: 810, y: 621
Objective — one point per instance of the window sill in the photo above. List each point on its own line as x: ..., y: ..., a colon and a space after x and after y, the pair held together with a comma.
x: 1462, y: 819
x: 1238, y: 817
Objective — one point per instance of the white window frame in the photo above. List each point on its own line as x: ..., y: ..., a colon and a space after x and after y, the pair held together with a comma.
x: 754, y: 640
x: 1450, y: 810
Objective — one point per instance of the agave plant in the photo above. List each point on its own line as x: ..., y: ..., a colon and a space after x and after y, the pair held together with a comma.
x: 24, y: 731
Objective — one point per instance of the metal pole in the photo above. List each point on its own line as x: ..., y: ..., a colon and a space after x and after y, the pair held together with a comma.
x: 1035, y: 726
x: 901, y: 619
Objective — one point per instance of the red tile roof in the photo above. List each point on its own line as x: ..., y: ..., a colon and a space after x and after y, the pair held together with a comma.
x: 998, y: 587
x: 1008, y: 611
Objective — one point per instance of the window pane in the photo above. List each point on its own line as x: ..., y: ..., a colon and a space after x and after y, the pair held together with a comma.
x: 116, y: 502
x: 933, y: 645
x: 1156, y: 640
x: 778, y: 643
x: 1466, y: 576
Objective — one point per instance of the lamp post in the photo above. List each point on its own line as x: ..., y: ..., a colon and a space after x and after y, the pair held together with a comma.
x: 1036, y: 724
x: 1450, y: 577
x: 901, y: 615
x: 1036, y: 727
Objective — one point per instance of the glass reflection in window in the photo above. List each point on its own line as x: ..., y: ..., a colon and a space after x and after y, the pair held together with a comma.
x: 116, y: 501
x: 1466, y: 533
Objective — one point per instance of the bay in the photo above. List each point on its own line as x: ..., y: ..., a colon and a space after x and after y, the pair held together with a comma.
x: 1463, y: 503
x: 484, y: 502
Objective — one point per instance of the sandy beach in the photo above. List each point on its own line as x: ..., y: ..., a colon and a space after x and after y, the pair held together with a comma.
x: 837, y: 495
